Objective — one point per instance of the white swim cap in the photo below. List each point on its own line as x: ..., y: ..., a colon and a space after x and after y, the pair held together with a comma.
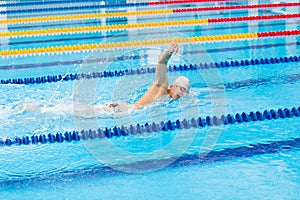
x: 183, y: 81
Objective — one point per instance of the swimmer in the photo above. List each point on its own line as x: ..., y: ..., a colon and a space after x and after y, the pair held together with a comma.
x: 160, y: 87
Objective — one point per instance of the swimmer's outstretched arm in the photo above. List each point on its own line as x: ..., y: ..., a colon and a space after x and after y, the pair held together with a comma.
x: 28, y: 107
x: 161, y: 69
x: 161, y: 77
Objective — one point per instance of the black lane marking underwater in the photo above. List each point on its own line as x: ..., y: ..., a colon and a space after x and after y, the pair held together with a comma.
x: 291, y: 78
x: 73, y: 62
x: 213, y: 157
x: 25, y: 66
x: 227, y: 154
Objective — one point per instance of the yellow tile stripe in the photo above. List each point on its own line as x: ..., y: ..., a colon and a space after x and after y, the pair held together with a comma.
x: 84, y: 29
x: 127, y: 44
x: 82, y: 16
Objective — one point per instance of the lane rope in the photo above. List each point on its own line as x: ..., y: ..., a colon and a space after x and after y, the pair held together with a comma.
x: 54, y: 18
x: 101, y: 28
x: 35, y: 3
x: 105, y: 6
x: 108, y: 132
x: 73, y: 62
x: 120, y: 27
x: 139, y: 43
x: 148, y: 70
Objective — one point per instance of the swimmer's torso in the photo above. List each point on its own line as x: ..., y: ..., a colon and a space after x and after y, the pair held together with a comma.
x: 154, y: 92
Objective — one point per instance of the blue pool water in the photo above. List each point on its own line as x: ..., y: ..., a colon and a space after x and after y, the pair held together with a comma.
x: 238, y: 161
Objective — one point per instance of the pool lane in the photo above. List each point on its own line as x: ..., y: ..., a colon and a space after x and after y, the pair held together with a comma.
x: 195, y: 52
x: 212, y: 157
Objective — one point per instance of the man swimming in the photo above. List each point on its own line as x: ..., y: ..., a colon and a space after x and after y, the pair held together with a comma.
x: 160, y: 87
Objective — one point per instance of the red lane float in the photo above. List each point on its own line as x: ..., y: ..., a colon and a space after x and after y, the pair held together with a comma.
x: 278, y: 33
x: 250, y: 18
x: 237, y: 7
x: 184, y: 1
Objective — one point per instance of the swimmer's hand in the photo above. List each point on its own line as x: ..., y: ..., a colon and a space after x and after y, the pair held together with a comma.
x: 166, y: 55
x: 28, y: 107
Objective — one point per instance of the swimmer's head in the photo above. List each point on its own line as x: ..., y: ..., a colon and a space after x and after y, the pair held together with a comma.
x: 183, y: 82
x: 180, y: 87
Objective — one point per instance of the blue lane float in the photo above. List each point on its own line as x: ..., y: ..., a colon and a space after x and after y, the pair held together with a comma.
x: 35, y: 3
x: 128, y: 72
x: 108, y: 132
x: 73, y: 8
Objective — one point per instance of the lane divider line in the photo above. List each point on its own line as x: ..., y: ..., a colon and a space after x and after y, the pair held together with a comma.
x: 35, y: 3
x: 120, y: 27
x: 123, y: 58
x: 53, y: 18
x: 149, y: 70
x: 254, y: 6
x: 106, y: 28
x: 99, y: 6
x: 146, y: 128
x: 139, y: 43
